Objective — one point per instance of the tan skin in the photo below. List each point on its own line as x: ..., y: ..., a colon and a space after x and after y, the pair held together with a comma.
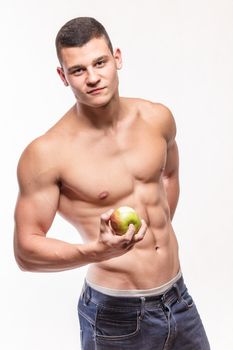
x: 107, y: 151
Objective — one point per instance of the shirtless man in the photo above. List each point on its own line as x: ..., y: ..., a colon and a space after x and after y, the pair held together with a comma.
x: 108, y: 151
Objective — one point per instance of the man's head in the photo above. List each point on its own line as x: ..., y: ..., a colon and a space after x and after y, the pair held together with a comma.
x: 88, y: 63
x: 79, y: 31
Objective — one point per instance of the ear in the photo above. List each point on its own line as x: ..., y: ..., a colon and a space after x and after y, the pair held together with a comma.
x: 118, y: 58
x: 61, y: 74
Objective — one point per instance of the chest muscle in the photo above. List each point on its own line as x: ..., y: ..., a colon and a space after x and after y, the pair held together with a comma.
x: 112, y: 166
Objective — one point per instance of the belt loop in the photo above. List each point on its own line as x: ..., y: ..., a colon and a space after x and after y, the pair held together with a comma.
x: 178, y: 292
x: 143, y: 300
x: 87, y: 295
x: 163, y: 297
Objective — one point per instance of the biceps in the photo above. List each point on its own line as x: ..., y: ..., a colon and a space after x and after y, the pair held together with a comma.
x: 35, y: 212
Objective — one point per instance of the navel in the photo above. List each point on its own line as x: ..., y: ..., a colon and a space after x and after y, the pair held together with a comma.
x: 103, y: 195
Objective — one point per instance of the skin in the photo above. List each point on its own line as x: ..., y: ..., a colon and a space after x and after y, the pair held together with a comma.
x: 106, y: 151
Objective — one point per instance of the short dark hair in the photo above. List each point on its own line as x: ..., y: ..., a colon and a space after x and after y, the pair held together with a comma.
x: 79, y: 31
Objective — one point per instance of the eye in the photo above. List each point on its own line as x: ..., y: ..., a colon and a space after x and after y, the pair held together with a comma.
x: 78, y: 71
x: 100, y: 63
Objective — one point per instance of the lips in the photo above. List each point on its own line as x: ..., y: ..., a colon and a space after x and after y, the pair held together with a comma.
x: 95, y: 91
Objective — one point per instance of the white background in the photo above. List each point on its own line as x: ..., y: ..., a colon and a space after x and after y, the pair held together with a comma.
x: 176, y: 52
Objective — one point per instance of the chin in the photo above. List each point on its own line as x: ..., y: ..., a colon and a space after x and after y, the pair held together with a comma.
x: 98, y: 102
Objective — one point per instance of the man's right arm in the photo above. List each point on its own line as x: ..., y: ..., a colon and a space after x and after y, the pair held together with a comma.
x: 35, y: 210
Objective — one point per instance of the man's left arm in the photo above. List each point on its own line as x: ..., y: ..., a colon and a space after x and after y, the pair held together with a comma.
x: 171, y: 177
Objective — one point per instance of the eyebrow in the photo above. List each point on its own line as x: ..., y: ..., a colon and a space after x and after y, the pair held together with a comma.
x: 103, y: 57
x: 80, y: 66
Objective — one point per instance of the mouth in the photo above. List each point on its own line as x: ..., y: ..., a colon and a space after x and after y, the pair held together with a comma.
x: 95, y: 91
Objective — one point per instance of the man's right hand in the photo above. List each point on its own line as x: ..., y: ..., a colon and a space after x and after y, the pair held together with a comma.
x: 111, y: 245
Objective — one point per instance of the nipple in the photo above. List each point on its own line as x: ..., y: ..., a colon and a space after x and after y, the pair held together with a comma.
x: 103, y: 195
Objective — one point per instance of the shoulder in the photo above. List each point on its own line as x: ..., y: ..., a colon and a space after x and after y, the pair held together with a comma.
x: 45, y: 150
x: 38, y: 163
x: 158, y: 116
x: 39, y: 149
x: 152, y: 111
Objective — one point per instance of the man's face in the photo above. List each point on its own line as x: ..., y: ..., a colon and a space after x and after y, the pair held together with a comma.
x: 91, y: 72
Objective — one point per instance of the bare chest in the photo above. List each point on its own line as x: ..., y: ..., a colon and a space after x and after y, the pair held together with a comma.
x: 108, y: 168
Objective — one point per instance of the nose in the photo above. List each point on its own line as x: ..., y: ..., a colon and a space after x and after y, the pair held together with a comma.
x: 92, y: 78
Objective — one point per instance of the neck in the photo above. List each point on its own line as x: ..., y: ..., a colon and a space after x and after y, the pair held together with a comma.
x: 104, y: 117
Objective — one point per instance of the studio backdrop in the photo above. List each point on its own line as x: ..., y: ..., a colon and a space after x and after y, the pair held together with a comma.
x: 176, y: 52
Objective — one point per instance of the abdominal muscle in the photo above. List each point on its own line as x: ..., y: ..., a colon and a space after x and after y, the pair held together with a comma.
x: 149, y: 264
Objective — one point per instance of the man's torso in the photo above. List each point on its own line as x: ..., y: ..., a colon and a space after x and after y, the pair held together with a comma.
x: 99, y: 170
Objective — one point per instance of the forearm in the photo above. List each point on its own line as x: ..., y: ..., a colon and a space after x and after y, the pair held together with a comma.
x: 44, y: 254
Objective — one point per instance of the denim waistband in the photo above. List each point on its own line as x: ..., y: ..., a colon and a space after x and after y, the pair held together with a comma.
x: 171, y: 295
x: 136, y: 292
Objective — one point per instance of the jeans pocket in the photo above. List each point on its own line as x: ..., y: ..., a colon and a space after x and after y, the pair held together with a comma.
x: 116, y: 324
x: 187, y: 300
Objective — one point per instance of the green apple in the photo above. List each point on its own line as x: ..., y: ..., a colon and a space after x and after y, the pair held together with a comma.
x: 122, y: 217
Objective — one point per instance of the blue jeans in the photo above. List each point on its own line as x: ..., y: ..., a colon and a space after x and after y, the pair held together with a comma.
x: 165, y: 322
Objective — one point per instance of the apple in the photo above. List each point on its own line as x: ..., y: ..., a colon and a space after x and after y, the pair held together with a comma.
x: 122, y: 217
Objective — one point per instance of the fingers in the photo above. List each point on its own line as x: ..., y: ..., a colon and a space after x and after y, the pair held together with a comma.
x: 106, y: 216
x: 127, y: 239
x: 104, y: 219
x: 141, y: 233
x: 124, y: 242
x: 130, y: 233
x: 130, y: 238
